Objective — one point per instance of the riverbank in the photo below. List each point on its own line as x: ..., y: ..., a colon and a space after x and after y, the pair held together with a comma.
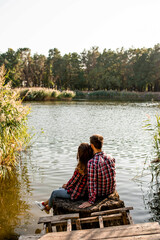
x: 46, y: 94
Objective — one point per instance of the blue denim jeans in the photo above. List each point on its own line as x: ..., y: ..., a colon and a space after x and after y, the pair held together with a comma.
x: 61, y: 193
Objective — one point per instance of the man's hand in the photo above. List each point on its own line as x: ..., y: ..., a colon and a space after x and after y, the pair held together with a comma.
x: 64, y: 185
x: 85, y: 204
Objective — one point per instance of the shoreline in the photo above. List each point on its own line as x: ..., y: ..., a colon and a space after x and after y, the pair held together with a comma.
x: 45, y: 94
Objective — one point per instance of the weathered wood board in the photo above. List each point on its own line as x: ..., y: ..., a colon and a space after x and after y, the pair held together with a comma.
x: 145, y: 231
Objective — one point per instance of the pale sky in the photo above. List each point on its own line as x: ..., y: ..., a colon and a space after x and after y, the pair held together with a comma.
x: 75, y: 25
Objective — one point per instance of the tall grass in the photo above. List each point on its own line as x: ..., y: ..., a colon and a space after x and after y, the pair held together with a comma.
x: 155, y: 131
x: 13, y: 125
x: 43, y: 94
x: 122, y: 95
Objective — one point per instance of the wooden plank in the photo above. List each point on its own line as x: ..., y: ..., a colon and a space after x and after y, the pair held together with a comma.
x: 118, y: 232
x: 30, y: 237
x: 59, y: 223
x: 86, y: 220
x: 101, y: 222
x: 69, y: 225
x: 50, y: 237
x: 142, y: 237
x: 117, y: 210
x: 96, y: 218
x: 58, y: 218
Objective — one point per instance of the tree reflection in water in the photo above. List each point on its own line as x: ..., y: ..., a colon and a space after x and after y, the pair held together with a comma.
x: 13, y: 189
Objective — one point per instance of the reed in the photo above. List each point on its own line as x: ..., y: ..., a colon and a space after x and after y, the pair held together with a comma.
x: 154, y: 129
x: 43, y: 94
x: 114, y: 95
x: 14, y: 136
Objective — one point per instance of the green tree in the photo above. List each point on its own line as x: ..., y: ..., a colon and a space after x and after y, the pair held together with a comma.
x: 54, y: 68
x: 38, y: 70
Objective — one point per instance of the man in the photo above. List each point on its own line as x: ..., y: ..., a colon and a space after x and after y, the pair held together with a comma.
x: 101, y: 173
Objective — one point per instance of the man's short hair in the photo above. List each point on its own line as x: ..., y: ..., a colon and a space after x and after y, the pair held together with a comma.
x: 97, y: 141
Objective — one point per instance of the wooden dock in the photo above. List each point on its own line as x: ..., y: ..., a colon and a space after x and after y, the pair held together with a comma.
x: 111, y: 224
x: 101, y: 219
x: 144, y: 231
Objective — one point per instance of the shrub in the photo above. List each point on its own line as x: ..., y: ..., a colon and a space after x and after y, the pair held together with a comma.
x: 13, y: 125
x: 80, y: 94
x: 55, y: 93
x: 66, y: 94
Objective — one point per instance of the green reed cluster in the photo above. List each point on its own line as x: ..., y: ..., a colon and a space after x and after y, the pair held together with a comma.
x: 13, y: 125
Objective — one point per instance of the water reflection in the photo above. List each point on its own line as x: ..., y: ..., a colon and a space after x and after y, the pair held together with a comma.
x: 13, y: 205
x: 152, y: 197
x: 153, y: 202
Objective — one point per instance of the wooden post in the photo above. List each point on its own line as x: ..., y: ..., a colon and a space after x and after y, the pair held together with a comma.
x: 69, y: 225
x: 49, y: 226
x: 78, y: 224
x: 124, y: 217
x: 101, y: 222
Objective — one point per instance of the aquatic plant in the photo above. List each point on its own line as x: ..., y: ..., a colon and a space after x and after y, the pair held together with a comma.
x: 13, y: 125
x: 155, y: 131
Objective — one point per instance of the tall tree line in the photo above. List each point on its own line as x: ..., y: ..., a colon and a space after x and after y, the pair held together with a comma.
x: 132, y: 69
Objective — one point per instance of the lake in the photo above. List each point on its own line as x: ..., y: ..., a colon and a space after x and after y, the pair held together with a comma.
x: 59, y: 128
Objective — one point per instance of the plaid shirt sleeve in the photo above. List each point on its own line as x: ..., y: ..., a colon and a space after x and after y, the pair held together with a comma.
x: 92, y: 182
x: 73, y: 179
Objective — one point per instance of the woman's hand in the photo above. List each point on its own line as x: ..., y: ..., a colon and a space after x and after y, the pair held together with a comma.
x: 64, y: 185
x: 85, y: 205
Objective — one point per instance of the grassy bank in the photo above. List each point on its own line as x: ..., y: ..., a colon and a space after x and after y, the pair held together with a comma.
x: 45, y: 94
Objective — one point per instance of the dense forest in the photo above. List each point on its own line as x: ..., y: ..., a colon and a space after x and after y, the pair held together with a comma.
x: 132, y: 69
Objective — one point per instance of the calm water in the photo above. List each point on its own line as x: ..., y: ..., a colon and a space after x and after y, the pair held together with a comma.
x: 51, y: 159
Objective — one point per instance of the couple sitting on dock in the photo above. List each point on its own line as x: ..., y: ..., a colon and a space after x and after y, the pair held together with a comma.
x: 93, y: 178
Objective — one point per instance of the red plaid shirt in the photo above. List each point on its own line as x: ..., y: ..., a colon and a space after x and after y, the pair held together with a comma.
x: 77, y: 185
x: 101, y: 176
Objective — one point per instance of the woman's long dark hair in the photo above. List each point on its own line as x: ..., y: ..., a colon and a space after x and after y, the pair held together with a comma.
x: 85, y: 153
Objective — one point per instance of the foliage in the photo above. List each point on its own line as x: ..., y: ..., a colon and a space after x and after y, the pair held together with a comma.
x: 66, y: 94
x: 55, y: 93
x: 13, y: 127
x: 91, y: 70
x: 155, y: 130
x: 34, y: 94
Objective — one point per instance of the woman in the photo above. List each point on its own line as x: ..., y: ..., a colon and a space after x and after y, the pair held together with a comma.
x: 76, y: 187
